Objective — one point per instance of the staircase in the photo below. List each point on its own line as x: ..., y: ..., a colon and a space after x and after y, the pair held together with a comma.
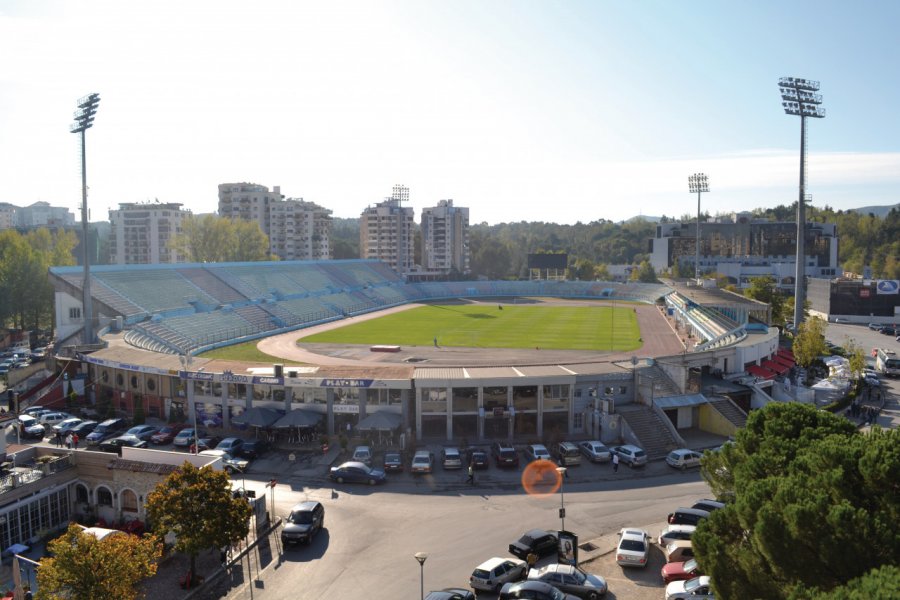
x: 663, y: 386
x: 729, y: 410
x: 653, y: 435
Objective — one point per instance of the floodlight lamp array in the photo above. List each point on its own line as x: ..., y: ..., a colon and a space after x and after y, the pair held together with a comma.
x: 698, y: 182
x: 799, y: 83
x: 84, y: 116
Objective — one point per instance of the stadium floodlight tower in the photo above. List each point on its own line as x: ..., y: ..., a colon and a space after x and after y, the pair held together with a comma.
x: 798, y: 98
x: 84, y: 119
x: 698, y: 183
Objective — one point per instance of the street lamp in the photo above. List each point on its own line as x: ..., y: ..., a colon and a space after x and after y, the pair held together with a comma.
x: 421, y: 556
x: 562, y: 496
x: 799, y: 99
x: 84, y: 119
x: 698, y: 183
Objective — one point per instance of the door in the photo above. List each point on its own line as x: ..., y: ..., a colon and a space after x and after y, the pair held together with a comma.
x: 685, y: 417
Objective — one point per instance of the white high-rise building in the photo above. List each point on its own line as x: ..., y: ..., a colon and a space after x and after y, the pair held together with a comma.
x: 7, y: 215
x: 140, y: 233
x: 445, y: 238
x: 39, y: 214
x: 386, y: 231
x: 297, y: 229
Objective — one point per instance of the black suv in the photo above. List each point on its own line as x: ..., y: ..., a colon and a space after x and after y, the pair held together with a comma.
x: 304, y: 522
x: 504, y: 454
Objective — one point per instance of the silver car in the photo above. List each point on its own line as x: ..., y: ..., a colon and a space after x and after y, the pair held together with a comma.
x: 631, y: 455
x: 493, y: 573
x: 571, y: 580
x: 595, y: 451
x: 451, y: 458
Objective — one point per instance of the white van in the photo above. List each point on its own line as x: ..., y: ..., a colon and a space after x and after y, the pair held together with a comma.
x: 679, y: 551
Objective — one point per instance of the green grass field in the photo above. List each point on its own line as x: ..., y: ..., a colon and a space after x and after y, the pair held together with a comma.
x: 486, y: 326
x: 246, y: 352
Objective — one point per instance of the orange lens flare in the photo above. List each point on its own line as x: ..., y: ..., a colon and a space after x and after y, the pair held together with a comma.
x: 541, y: 479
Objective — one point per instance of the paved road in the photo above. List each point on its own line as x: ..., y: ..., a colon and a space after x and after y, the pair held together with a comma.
x: 373, y: 533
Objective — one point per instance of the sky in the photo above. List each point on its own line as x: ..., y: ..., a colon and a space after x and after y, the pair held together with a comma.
x: 522, y: 110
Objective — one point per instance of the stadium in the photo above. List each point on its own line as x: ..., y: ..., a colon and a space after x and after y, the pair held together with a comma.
x: 679, y: 362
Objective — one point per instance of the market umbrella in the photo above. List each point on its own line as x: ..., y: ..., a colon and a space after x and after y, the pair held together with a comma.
x: 298, y: 418
x: 380, y: 421
x: 257, y: 417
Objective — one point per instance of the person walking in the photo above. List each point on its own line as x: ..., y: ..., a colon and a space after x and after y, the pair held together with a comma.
x: 615, y: 462
x: 75, y: 441
x: 69, y: 441
x: 58, y: 439
x: 471, y: 478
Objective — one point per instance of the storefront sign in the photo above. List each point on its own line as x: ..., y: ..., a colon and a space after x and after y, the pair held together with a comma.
x: 345, y: 408
x: 357, y: 383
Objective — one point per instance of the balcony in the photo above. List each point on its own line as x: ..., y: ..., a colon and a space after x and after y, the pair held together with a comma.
x: 32, y: 469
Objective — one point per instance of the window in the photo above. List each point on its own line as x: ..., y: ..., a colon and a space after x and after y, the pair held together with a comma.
x: 81, y: 493
x: 578, y: 420
x: 134, y: 381
x: 129, y: 501
x: 74, y: 312
x: 104, y: 497
x: 151, y: 384
x: 119, y: 379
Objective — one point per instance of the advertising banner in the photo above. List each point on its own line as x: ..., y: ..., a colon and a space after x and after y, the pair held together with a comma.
x: 888, y: 286
x: 568, y: 548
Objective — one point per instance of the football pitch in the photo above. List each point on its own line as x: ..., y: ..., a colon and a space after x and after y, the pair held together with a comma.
x: 599, y: 327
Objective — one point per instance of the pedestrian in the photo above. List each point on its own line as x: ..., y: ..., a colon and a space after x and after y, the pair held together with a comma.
x: 58, y: 439
x: 435, y: 341
x: 471, y: 478
x: 69, y: 441
x: 75, y: 441
x: 531, y: 559
x: 615, y: 463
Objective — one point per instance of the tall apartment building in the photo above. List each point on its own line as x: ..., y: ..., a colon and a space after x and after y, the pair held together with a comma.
x: 7, y: 215
x: 386, y: 231
x: 297, y: 229
x: 742, y: 247
x: 140, y: 233
x: 445, y: 238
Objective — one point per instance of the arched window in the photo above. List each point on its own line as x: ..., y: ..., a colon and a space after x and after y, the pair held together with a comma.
x: 104, y: 497
x: 129, y: 501
x: 81, y: 493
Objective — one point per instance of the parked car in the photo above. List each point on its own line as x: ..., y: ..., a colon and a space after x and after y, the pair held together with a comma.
x: 362, y: 454
x: 595, y: 451
x: 393, y: 461
x: 167, y: 434
x: 687, y: 516
x: 697, y: 588
x: 117, y: 443
x: 505, y: 455
x: 185, y: 437
x: 230, y: 464
x: 231, y: 445
x: 571, y: 580
x: 674, y: 533
x: 490, y: 575
x: 535, y: 590
x: 536, y: 452
x: 477, y: 458
x: 356, y: 472
x: 537, y: 541
x: 253, y: 448
x: 105, y: 430
x: 708, y: 505
x: 680, y: 571
x: 679, y: 551
x: 422, y: 462
x: 630, y: 455
x: 567, y: 454
x: 144, y: 432
x: 875, y: 326
x: 29, y: 428
x: 36, y: 411
x: 683, y: 458
x: 48, y: 420
x: 451, y: 458
x: 83, y: 429
x: 633, y: 548
x: 206, y: 442
x: 305, y: 521
x: 450, y: 594
x: 65, y: 427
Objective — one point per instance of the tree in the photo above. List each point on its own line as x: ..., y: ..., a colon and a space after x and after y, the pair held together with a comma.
x: 601, y: 272
x: 582, y: 269
x: 83, y: 566
x: 809, y: 343
x: 216, y: 239
x: 198, y: 507
x: 815, y: 505
x: 856, y: 356
x: 644, y: 273
x: 765, y: 290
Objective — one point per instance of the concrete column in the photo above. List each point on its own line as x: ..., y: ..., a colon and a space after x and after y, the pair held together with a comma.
x: 449, y: 413
x: 329, y: 403
x: 223, y: 400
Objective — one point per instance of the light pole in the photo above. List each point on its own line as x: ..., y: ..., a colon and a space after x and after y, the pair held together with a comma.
x: 562, y: 496
x: 84, y: 119
x: 421, y: 556
x: 698, y: 183
x: 798, y: 98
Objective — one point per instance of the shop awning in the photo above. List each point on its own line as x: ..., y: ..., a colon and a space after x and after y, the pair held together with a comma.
x: 760, y: 372
x: 774, y: 366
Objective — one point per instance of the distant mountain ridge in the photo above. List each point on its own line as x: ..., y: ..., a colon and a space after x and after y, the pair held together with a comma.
x: 878, y: 211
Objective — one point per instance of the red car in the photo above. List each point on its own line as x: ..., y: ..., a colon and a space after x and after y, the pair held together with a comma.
x: 167, y: 433
x: 680, y: 571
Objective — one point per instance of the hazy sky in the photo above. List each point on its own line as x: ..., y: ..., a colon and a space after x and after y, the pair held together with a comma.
x: 539, y: 111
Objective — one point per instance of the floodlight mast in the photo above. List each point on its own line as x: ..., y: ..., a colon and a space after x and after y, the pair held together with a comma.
x: 698, y: 183
x: 799, y: 99
x: 84, y: 119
